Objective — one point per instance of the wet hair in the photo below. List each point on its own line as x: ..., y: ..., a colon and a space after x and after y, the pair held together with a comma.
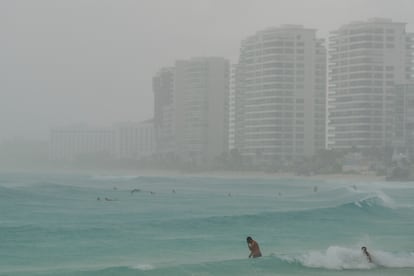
x: 363, y: 248
x: 249, y: 238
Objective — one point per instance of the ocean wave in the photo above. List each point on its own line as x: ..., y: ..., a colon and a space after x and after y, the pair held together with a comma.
x: 333, y: 258
x: 44, y: 190
x: 378, y: 198
x: 338, y: 258
x: 143, y: 266
x: 372, y: 205
x: 114, y: 177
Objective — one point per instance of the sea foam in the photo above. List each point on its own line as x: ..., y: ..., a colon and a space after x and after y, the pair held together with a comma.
x: 338, y: 258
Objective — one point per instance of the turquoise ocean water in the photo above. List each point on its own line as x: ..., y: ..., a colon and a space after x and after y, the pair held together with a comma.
x: 53, y: 224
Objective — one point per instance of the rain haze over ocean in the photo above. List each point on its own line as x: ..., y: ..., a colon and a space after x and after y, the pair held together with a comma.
x: 152, y: 137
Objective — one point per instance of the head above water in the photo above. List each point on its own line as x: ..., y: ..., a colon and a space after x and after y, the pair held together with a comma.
x: 363, y: 248
x: 249, y: 239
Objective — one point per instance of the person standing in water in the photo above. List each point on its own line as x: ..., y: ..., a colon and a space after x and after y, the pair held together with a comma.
x: 253, y: 247
x: 366, y: 253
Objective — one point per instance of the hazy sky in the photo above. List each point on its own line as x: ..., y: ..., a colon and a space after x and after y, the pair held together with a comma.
x: 92, y: 61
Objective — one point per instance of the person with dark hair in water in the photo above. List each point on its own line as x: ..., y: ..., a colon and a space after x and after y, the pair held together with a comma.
x: 366, y: 253
x: 253, y: 247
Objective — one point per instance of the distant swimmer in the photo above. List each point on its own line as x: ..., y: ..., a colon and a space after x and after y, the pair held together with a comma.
x: 173, y: 191
x: 135, y: 190
x: 366, y: 253
x: 108, y: 199
x: 253, y: 247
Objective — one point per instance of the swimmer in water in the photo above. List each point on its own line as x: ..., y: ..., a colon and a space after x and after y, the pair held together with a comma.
x: 135, y: 190
x: 366, y: 253
x: 254, y: 248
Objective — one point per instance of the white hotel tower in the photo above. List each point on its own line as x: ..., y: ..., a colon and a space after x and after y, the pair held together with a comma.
x: 200, y: 100
x: 367, y: 60
x: 280, y: 94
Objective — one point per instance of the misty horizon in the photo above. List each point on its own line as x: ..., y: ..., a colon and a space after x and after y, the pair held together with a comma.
x: 77, y: 62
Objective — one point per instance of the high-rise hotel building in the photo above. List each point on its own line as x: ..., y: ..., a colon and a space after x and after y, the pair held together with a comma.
x: 280, y: 96
x: 367, y: 59
x: 232, y: 106
x: 201, y: 93
x: 191, y: 108
x: 403, y: 141
x: 163, y: 89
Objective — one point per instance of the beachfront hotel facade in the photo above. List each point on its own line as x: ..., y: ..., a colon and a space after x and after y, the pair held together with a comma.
x: 280, y: 94
x: 403, y: 140
x: 77, y: 142
x: 163, y: 89
x: 191, y: 109
x: 201, y: 93
x: 134, y: 140
x: 366, y: 61
x: 122, y: 141
x: 232, y: 106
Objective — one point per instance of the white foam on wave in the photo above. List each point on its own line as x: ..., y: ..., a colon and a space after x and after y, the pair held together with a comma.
x: 386, y: 200
x: 377, y: 197
x: 143, y: 267
x: 339, y: 258
x: 113, y: 177
x: 394, y: 260
x: 335, y: 257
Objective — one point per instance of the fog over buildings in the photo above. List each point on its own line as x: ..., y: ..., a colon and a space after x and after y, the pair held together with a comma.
x: 280, y: 94
x: 296, y: 77
x: 368, y: 59
x: 70, y: 62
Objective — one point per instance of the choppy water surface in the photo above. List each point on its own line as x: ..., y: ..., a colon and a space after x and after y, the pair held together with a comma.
x: 55, y: 225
